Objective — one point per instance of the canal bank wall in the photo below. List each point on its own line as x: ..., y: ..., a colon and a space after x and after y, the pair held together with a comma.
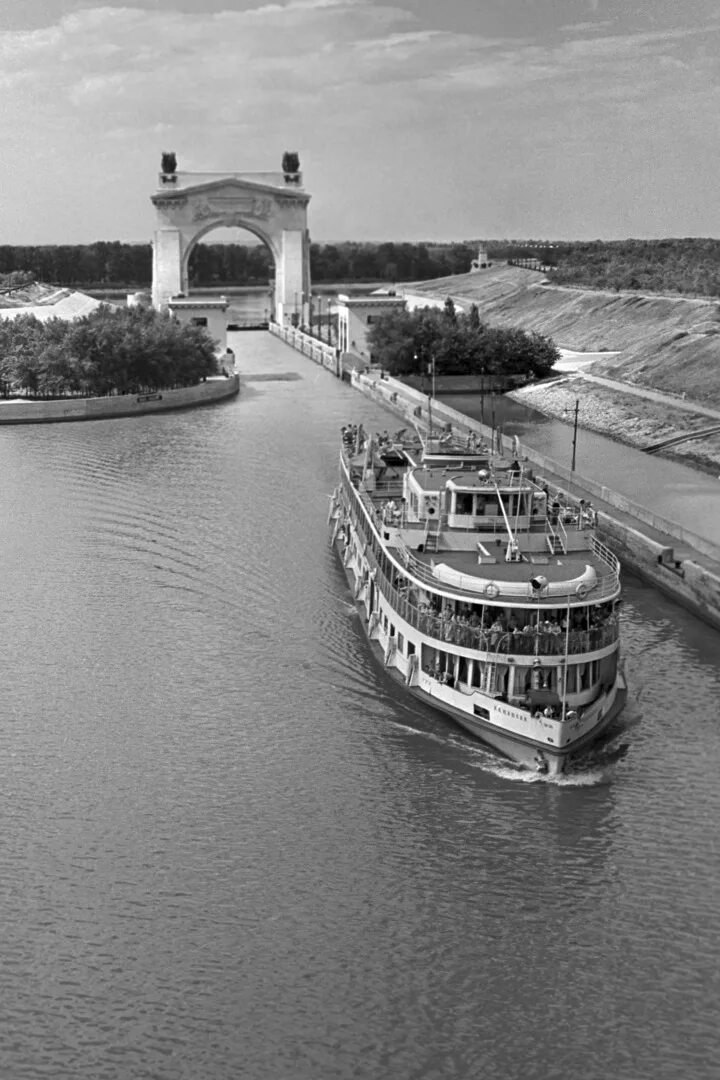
x: 23, y: 411
x: 681, y: 564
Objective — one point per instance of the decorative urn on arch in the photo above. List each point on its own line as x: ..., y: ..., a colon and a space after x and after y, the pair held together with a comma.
x: 291, y: 167
x: 168, y: 167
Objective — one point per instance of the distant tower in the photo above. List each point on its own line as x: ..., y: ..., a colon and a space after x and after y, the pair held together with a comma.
x: 482, y: 262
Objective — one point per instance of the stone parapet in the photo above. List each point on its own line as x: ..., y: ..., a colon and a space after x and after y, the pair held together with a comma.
x: 325, y: 355
x: 23, y: 411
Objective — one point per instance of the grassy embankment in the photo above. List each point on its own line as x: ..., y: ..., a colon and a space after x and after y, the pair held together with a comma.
x: 669, y: 344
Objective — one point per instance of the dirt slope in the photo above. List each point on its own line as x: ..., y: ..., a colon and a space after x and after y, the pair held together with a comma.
x: 669, y: 343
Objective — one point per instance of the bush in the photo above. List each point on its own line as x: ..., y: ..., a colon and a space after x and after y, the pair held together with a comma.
x: 112, y: 350
x: 407, y: 342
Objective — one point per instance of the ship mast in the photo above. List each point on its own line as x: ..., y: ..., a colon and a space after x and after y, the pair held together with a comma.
x: 513, y: 551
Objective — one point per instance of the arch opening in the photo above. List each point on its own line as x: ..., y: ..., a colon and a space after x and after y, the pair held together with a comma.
x: 237, y: 263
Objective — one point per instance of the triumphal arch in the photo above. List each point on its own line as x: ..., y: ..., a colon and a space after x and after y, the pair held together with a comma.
x: 272, y: 206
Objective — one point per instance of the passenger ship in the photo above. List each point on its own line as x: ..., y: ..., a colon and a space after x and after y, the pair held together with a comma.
x: 487, y: 596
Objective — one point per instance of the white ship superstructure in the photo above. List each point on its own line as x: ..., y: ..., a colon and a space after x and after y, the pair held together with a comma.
x: 488, y: 597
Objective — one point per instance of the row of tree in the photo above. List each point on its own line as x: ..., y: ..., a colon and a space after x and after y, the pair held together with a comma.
x: 111, y: 351
x: 113, y: 264
x: 408, y: 342
x: 690, y: 265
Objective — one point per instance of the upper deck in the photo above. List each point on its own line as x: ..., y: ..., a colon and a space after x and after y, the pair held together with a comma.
x: 476, y: 526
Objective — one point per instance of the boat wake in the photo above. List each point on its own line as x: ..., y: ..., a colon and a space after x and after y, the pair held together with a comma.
x: 591, y: 777
x: 590, y: 771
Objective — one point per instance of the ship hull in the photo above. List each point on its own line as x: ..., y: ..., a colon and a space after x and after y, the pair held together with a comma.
x: 530, y: 754
x: 517, y: 642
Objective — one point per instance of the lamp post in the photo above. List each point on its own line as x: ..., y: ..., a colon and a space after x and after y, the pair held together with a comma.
x: 566, y: 416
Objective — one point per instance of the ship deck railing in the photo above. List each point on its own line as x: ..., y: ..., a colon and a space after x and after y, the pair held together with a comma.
x: 606, y: 586
x: 485, y: 639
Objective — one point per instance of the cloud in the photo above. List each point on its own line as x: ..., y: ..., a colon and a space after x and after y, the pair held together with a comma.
x: 344, y: 80
x: 119, y: 58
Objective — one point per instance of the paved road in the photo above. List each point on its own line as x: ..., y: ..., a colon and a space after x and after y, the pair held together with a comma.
x: 574, y: 364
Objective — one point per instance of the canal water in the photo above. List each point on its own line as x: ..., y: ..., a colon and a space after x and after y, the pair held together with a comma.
x: 667, y: 488
x: 231, y: 847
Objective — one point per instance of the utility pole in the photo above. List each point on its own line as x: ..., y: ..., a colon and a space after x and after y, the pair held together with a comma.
x: 574, y: 444
x: 566, y: 416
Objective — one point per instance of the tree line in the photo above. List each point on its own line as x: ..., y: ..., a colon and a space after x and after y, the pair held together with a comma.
x: 108, y: 264
x: 685, y: 266
x: 410, y: 342
x: 688, y: 266
x: 110, y: 351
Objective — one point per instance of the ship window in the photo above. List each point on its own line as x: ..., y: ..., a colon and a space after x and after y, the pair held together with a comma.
x: 463, y: 503
x: 392, y: 630
x: 482, y: 712
x: 401, y: 643
x: 411, y: 648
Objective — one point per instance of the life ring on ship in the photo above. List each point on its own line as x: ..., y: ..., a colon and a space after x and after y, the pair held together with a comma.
x: 491, y: 590
x: 581, y: 590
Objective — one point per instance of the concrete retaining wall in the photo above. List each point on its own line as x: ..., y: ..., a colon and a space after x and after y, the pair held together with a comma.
x: 684, y: 580
x: 106, y: 408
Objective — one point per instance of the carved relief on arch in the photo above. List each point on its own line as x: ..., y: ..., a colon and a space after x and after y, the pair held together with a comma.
x: 223, y: 206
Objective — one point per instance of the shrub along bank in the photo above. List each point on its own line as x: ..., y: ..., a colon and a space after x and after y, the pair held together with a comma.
x: 110, y: 351
x: 457, y: 343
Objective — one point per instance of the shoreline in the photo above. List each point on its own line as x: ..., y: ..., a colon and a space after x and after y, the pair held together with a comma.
x: 15, y: 411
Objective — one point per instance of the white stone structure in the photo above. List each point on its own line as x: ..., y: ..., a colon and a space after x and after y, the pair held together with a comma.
x: 482, y: 262
x: 272, y: 206
x: 202, y: 311
x: 356, y: 313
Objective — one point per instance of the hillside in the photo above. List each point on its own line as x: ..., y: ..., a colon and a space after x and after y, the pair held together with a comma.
x: 667, y: 343
x: 31, y: 295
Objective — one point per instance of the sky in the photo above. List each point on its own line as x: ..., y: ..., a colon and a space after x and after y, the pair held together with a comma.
x: 414, y: 119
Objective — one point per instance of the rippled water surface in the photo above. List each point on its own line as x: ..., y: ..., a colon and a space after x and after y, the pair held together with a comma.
x: 231, y: 848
